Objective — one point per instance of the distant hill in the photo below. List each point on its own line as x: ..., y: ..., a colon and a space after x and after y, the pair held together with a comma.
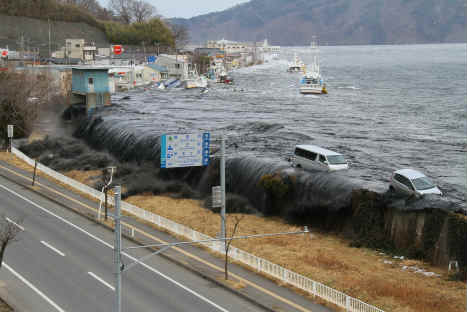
x: 294, y: 22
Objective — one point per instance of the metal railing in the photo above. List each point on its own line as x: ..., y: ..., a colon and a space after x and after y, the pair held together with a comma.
x: 259, y: 264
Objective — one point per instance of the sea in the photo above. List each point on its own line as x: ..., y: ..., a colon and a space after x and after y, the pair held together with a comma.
x: 388, y: 107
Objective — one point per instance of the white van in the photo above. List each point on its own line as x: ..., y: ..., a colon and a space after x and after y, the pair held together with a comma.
x: 313, y: 157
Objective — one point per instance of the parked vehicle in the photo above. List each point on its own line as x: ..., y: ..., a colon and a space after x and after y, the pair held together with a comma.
x: 313, y: 157
x: 412, y: 182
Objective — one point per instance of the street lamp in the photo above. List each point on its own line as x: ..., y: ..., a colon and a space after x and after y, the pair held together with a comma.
x: 120, y: 268
x: 107, y: 176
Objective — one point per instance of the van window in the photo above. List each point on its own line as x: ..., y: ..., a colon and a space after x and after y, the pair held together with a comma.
x: 337, y: 160
x: 305, y: 154
x: 322, y: 158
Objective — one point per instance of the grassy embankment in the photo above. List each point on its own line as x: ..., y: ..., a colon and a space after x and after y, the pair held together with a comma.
x: 369, y: 275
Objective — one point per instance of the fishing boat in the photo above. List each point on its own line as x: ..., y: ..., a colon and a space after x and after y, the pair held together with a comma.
x: 311, y: 81
x: 194, y: 80
x: 296, y: 65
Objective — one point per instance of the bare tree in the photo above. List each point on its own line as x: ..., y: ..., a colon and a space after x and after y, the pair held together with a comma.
x: 122, y: 8
x: 227, y: 246
x: 142, y: 11
x: 181, y: 35
x: 131, y: 11
x: 21, y: 97
x: 8, y: 234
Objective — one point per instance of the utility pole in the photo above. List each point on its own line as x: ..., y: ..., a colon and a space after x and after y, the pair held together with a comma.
x: 50, y: 51
x: 222, y: 173
x: 117, y: 251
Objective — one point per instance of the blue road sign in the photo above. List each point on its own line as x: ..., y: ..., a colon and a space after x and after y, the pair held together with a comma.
x: 185, y: 150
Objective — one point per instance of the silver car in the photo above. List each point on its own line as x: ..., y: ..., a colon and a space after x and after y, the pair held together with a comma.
x: 412, y: 182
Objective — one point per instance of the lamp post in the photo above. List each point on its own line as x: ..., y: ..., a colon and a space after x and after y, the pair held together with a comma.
x: 117, y: 251
x: 119, y: 268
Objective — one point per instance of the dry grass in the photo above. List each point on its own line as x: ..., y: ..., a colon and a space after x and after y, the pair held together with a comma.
x: 326, y: 258
x: 360, y: 273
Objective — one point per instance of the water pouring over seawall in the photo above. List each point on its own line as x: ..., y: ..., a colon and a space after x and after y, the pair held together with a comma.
x: 273, y: 186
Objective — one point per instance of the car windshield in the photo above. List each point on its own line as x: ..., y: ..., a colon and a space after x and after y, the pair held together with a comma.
x: 336, y: 160
x: 423, y: 183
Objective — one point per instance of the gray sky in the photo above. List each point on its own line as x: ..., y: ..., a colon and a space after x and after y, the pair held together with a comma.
x: 188, y: 8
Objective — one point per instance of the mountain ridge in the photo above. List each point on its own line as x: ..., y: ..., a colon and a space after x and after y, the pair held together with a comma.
x: 295, y: 22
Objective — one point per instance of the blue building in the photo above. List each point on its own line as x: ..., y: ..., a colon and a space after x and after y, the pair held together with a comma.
x: 91, y: 86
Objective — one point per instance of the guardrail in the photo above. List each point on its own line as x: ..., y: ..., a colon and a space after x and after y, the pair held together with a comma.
x: 260, y: 265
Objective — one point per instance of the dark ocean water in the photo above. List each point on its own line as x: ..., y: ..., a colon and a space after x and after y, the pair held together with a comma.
x: 388, y: 107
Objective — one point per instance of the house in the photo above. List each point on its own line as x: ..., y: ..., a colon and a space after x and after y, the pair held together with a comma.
x: 91, y: 87
x: 76, y: 49
x: 177, y: 66
x: 155, y: 73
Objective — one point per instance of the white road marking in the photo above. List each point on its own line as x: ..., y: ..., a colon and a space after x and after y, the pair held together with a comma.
x: 123, y: 253
x: 40, y: 293
x: 101, y: 280
x: 12, y: 222
x: 53, y: 248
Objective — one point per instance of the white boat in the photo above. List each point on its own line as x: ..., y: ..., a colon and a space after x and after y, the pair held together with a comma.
x: 194, y: 80
x: 312, y: 82
x: 296, y: 65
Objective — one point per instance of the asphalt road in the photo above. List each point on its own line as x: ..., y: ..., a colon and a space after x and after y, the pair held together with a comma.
x: 64, y: 262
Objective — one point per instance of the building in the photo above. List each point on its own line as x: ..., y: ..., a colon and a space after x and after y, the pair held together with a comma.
x: 75, y: 49
x: 155, y: 73
x: 91, y: 87
x: 177, y: 66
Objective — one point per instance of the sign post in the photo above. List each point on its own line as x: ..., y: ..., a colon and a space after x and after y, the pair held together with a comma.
x: 10, y: 136
x: 216, y: 197
x: 117, y: 49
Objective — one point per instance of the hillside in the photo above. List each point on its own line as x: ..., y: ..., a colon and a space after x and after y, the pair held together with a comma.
x: 294, y: 22
x: 36, y: 33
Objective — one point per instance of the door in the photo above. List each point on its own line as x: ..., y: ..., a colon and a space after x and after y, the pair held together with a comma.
x: 91, y: 85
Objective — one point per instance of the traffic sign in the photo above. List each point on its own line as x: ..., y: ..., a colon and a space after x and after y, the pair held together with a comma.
x: 216, y: 197
x: 152, y: 59
x: 117, y: 49
x: 4, y: 53
x: 185, y: 150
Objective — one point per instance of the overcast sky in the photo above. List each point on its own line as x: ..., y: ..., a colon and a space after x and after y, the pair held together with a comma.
x: 188, y: 8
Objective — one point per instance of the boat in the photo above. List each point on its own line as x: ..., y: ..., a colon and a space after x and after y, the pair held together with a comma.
x: 194, y: 80
x: 296, y: 65
x: 311, y: 81
x: 224, y: 78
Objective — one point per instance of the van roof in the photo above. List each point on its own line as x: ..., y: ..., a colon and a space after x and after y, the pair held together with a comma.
x: 317, y: 149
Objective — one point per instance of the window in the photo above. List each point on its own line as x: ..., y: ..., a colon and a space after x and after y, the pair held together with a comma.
x: 177, y: 66
x: 77, y: 45
x: 423, y: 183
x: 91, y: 81
x: 404, y: 181
x: 337, y: 160
x: 305, y: 154
x: 322, y: 158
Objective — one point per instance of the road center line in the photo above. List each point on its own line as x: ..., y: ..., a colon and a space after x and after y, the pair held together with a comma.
x: 111, y: 247
x: 53, y: 248
x: 40, y: 293
x: 12, y: 222
x: 101, y: 280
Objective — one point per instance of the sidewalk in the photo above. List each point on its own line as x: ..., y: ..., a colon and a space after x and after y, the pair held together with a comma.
x: 242, y: 282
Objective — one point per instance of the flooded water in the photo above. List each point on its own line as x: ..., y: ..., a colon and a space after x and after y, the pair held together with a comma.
x: 388, y: 107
